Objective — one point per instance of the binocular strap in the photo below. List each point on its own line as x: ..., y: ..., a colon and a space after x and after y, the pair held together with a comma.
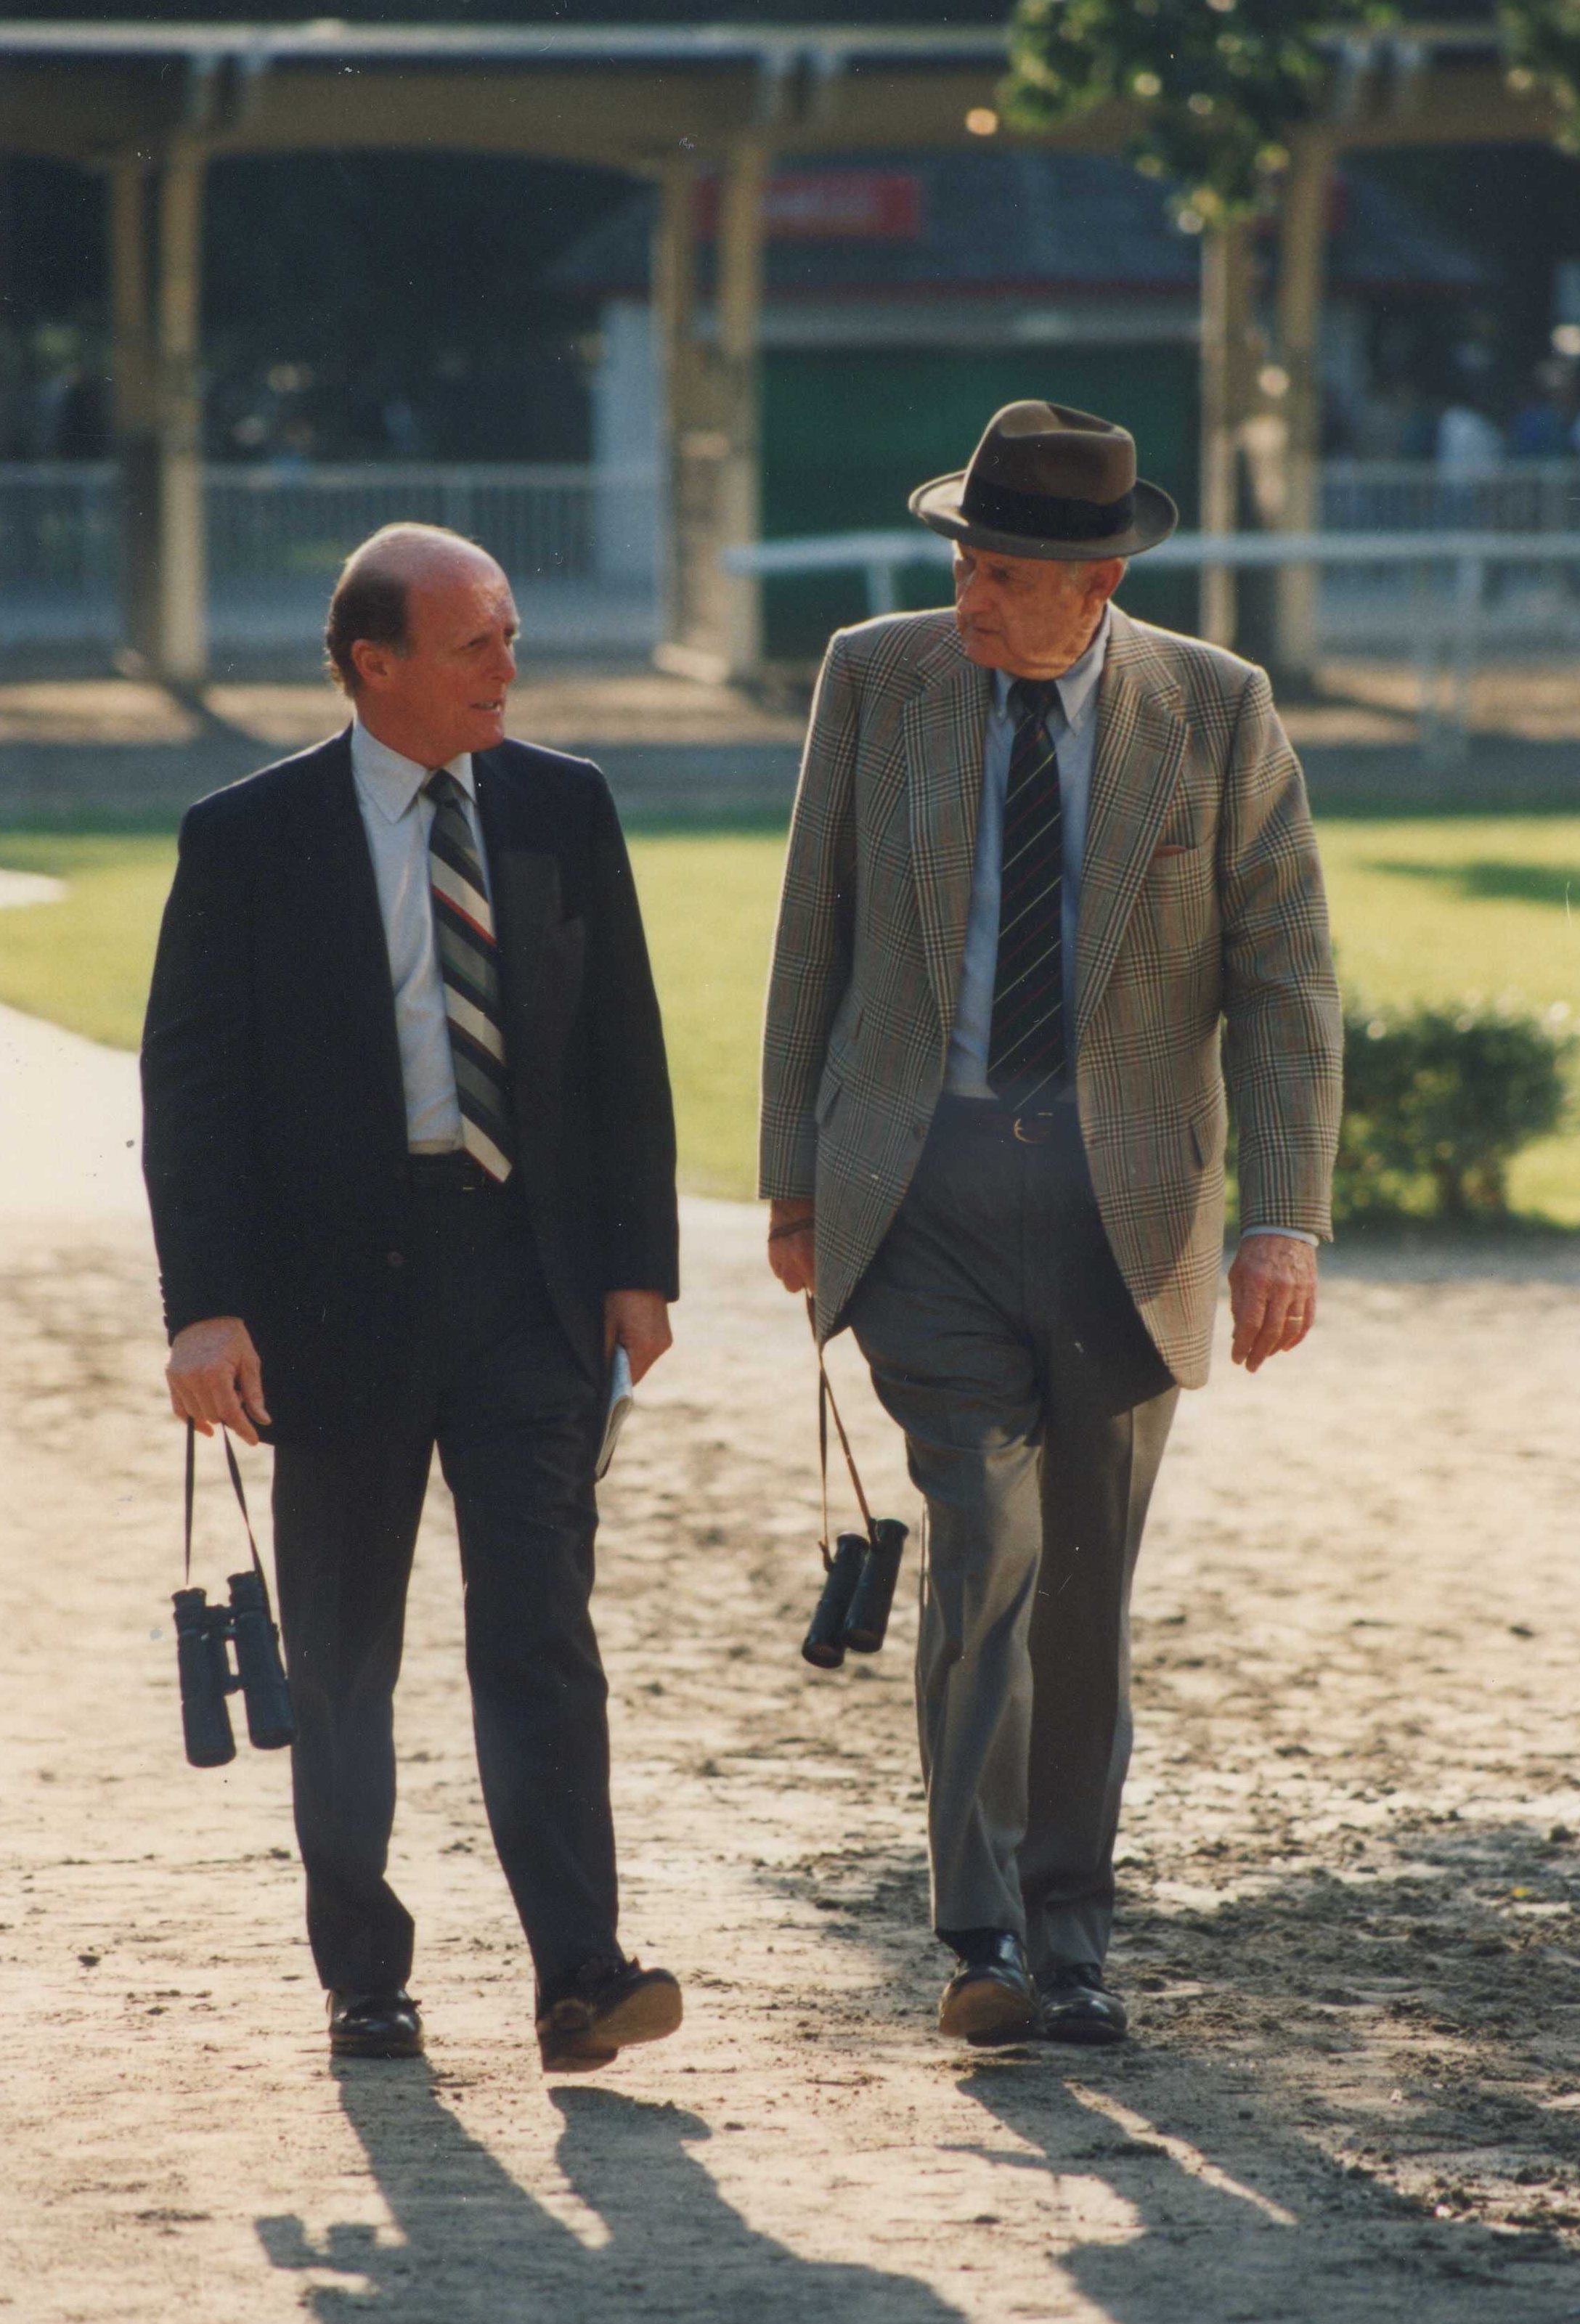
x: 826, y: 1405
x: 235, y: 1479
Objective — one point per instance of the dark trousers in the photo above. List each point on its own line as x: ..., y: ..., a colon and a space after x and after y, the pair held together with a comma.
x: 1036, y: 1409
x: 490, y: 1378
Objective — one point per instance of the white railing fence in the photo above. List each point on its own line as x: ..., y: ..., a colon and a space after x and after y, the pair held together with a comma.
x: 1438, y: 590
x: 583, y: 547
x: 59, y: 555
x: 1418, y: 496
x: 580, y: 544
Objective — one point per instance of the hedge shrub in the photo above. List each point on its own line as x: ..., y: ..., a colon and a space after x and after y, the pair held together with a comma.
x: 1437, y: 1105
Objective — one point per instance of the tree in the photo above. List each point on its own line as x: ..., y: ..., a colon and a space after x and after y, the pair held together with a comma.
x: 1216, y: 98
x: 1542, y: 38
x: 1232, y: 102
x: 1213, y: 88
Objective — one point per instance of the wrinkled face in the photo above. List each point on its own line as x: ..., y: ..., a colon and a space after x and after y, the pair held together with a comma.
x: 1030, y: 616
x: 445, y: 693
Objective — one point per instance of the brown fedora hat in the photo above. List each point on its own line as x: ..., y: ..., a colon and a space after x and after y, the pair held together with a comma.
x: 1046, y: 481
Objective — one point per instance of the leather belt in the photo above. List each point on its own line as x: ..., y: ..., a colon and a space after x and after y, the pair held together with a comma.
x: 986, y: 1117
x: 452, y: 1174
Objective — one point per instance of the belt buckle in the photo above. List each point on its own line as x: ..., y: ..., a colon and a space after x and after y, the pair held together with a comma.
x: 1033, y: 1129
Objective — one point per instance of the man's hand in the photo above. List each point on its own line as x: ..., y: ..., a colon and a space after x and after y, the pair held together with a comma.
x: 790, y: 1244
x: 1272, y: 1291
x: 214, y: 1377
x: 638, y: 1321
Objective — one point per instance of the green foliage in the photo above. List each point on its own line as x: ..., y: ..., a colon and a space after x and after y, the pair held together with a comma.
x: 1215, y: 86
x: 1436, y: 1103
x: 1542, y: 38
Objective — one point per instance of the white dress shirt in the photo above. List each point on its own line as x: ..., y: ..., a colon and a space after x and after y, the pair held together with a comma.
x: 1072, y: 728
x: 397, y: 820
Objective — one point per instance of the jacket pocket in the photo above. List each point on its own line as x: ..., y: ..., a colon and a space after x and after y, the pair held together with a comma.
x: 1205, y: 1132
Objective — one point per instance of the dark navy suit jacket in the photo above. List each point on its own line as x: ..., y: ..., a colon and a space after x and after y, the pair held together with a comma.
x: 275, y: 1131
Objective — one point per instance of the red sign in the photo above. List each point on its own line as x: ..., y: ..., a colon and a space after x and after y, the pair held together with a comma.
x: 829, y: 206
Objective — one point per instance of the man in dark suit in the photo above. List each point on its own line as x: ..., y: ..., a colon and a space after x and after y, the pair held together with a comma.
x: 410, y: 1156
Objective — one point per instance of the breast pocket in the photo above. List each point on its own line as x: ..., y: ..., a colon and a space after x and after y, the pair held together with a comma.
x: 1178, y: 897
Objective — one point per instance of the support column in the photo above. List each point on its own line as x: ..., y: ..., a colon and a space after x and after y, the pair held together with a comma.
x: 182, y: 654
x: 135, y: 418
x: 685, y: 416
x: 1225, y: 323
x: 713, y: 620
x: 740, y: 334
x: 1302, y: 252
x: 155, y: 298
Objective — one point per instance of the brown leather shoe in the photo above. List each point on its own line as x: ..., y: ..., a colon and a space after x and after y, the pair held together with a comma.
x: 608, y: 2006
x: 1078, y: 2006
x: 991, y: 1998
x: 374, y: 2026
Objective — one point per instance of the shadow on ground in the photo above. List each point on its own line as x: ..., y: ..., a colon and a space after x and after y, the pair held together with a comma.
x: 1368, y: 2077
x: 473, y: 2242
x: 1493, y: 881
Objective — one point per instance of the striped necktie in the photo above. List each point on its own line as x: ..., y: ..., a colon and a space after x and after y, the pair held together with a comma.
x: 1026, y: 1042
x: 469, y: 960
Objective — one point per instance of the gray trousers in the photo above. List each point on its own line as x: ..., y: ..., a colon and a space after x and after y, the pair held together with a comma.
x: 1036, y: 1409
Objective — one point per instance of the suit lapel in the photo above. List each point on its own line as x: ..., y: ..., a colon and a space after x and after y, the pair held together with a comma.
x: 1141, y: 744
x: 335, y: 865
x: 943, y: 725
x: 524, y: 884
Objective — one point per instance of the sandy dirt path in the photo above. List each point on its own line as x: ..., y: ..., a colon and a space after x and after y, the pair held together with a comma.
x: 1350, y: 1875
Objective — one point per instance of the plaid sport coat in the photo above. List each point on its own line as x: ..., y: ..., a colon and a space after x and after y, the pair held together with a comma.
x: 1202, y: 955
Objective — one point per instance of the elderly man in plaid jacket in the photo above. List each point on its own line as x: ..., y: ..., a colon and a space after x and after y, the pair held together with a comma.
x: 1051, y: 878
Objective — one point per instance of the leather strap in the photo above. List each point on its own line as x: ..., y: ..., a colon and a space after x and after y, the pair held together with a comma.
x: 235, y: 1479
x: 826, y: 1405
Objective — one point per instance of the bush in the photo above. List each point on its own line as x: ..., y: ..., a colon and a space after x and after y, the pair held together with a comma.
x: 1437, y: 1103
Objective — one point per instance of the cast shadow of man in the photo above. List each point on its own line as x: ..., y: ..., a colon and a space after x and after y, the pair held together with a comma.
x: 470, y: 2245
x: 1211, y: 2239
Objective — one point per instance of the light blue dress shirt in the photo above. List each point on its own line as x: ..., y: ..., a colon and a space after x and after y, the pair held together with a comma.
x: 397, y: 820
x: 1072, y: 728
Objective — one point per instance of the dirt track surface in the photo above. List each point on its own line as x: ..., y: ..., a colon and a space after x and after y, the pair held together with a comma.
x: 1348, y: 1922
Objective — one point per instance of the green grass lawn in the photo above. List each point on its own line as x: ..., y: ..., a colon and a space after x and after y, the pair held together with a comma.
x: 1427, y: 910
x: 84, y: 960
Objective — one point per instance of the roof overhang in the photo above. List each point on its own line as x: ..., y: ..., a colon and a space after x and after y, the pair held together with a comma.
x: 98, y: 93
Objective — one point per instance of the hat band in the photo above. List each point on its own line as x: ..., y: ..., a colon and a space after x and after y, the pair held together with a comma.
x: 1042, y: 516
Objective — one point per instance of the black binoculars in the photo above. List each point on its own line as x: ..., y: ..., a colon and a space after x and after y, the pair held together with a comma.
x: 204, y: 1635
x: 854, y: 1610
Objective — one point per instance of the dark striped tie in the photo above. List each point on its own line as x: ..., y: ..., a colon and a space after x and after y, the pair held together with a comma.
x: 469, y: 960
x: 1026, y: 1043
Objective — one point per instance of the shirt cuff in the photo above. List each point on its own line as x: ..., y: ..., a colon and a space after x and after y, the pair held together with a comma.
x: 1295, y: 1234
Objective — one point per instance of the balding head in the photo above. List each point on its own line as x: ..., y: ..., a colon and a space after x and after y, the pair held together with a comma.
x: 373, y: 596
x: 422, y: 635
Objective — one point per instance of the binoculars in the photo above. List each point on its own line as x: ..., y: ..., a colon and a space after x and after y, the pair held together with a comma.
x: 204, y: 1636
x: 853, y: 1611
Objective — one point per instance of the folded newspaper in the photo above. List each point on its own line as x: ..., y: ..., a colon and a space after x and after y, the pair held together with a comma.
x: 619, y: 1403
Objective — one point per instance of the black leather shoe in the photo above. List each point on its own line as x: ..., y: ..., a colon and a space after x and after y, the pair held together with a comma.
x: 374, y: 2026
x: 991, y: 1998
x: 1078, y: 2006
x: 608, y: 2006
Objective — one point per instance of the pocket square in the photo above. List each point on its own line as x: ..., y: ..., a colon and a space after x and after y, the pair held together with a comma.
x: 1171, y: 847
